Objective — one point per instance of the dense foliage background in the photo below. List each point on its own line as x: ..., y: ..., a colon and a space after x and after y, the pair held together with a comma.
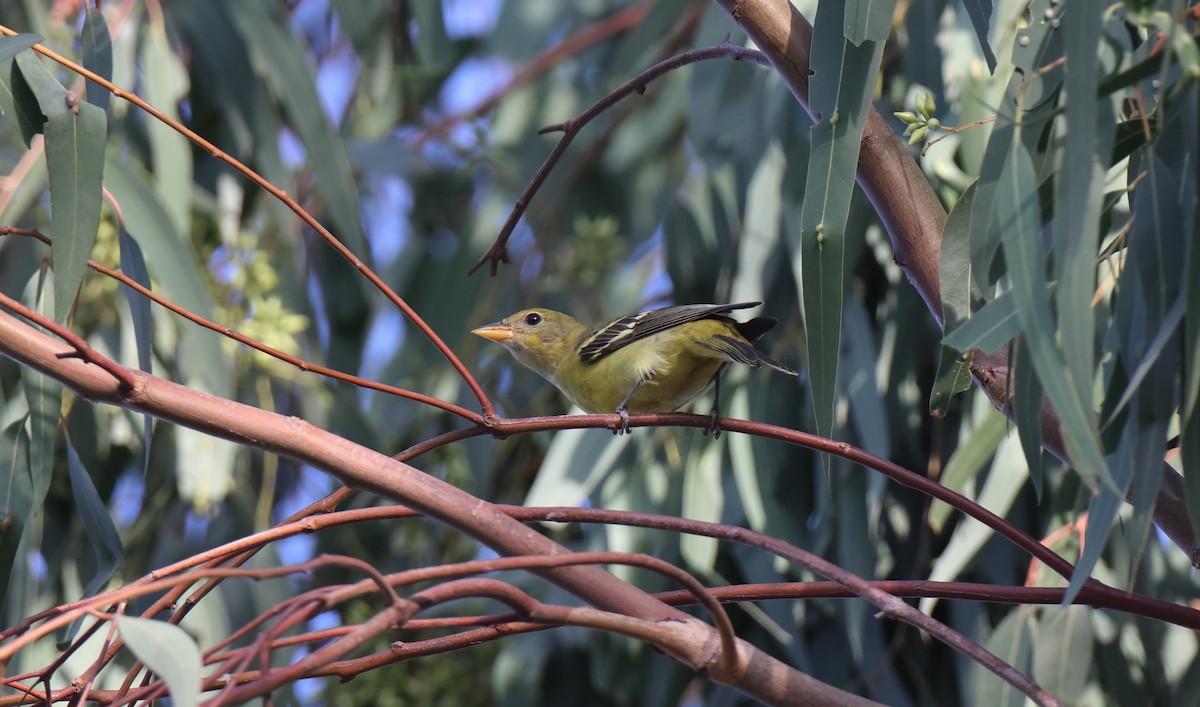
x: 411, y: 129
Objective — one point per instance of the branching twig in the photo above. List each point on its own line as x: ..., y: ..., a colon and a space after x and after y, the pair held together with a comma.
x: 498, y: 252
x: 288, y: 201
x: 594, y: 33
x: 301, y: 364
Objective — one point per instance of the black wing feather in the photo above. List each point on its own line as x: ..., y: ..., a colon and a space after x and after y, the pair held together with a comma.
x: 632, y: 327
x: 742, y: 352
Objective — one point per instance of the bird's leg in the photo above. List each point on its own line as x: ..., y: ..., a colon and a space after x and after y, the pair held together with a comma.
x: 714, y: 422
x: 623, y: 411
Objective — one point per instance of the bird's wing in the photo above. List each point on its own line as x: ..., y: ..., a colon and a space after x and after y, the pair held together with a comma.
x: 632, y: 327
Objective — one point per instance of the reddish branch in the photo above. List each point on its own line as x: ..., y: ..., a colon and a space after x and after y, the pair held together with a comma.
x: 498, y: 252
x: 302, y: 364
x: 288, y: 201
x: 914, y: 217
x: 782, y: 33
x: 763, y: 677
x: 594, y: 33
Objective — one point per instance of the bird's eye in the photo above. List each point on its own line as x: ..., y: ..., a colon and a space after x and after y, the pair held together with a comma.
x: 533, y: 319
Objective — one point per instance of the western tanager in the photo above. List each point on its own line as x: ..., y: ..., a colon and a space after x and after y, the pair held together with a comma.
x: 654, y: 361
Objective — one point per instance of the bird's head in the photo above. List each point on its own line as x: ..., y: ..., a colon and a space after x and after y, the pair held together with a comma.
x: 538, y: 338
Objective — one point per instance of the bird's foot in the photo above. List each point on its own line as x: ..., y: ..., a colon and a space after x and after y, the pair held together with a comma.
x: 714, y: 423
x: 623, y: 428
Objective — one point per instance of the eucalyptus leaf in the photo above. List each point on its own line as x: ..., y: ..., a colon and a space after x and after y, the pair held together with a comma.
x: 168, y: 651
x: 840, y: 99
x: 101, y: 533
x: 97, y: 55
x: 75, y: 133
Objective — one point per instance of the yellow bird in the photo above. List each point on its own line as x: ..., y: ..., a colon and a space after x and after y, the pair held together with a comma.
x: 654, y: 361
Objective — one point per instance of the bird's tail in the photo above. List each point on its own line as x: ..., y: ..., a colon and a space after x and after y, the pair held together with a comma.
x: 754, y: 330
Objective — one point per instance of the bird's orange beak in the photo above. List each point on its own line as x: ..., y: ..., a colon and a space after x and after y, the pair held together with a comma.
x: 498, y: 332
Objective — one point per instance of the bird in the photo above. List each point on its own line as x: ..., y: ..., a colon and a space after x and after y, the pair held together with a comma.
x: 657, y: 360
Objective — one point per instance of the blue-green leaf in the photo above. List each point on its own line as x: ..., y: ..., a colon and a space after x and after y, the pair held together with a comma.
x: 175, y: 270
x: 166, y: 84
x: 868, y: 20
x: 133, y: 264
x: 968, y: 460
x: 953, y: 377
x: 282, y: 63
x: 44, y: 396
x: 97, y: 55
x: 1020, y: 226
x: 14, y: 45
x: 994, y: 325
x: 842, y: 84
x: 1062, y: 655
x: 703, y: 500
x: 1080, y: 197
x: 16, y: 498
x: 101, y: 533
x: 1189, y: 408
x: 1027, y: 412
x: 954, y: 271
x: 980, y: 12
x: 954, y: 370
x: 75, y: 133
x: 168, y: 651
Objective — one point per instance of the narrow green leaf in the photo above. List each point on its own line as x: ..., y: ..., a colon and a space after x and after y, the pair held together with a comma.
x: 980, y: 13
x: 166, y: 84
x: 1005, y: 479
x: 968, y: 460
x: 283, y: 64
x: 955, y: 267
x: 1011, y: 641
x: 1103, y: 507
x: 1033, y: 57
x: 856, y: 546
x: 757, y: 250
x: 133, y: 264
x: 1027, y: 412
x: 842, y: 84
x: 953, y: 378
x: 14, y: 45
x: 867, y: 414
x: 16, y: 498
x: 44, y: 397
x: 1150, y: 356
x: 868, y: 20
x: 562, y: 481
x: 1189, y: 409
x: 75, y: 158
x: 1062, y: 653
x: 75, y: 134
x: 175, y: 269
x: 954, y: 370
x: 101, y: 533
x: 1080, y: 197
x: 20, y: 103
x: 168, y: 651
x: 703, y: 499
x: 994, y: 325
x: 747, y: 465
x: 1020, y: 225
x: 97, y: 55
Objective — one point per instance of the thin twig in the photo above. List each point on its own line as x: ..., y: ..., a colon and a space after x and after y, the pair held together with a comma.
x: 289, y: 202
x: 498, y: 252
x: 301, y: 364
